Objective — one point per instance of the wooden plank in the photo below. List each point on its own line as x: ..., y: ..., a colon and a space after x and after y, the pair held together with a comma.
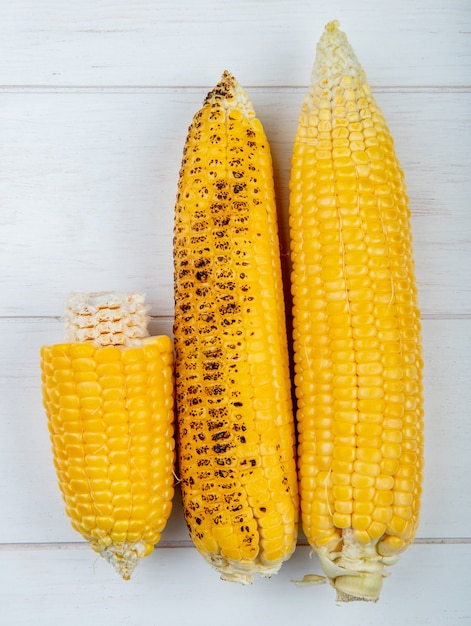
x: 429, y: 585
x: 183, y: 43
x: 89, y: 182
x: 34, y: 510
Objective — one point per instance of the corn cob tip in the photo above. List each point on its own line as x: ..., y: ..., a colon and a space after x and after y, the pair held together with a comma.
x: 125, y: 556
x: 335, y: 57
x: 332, y: 26
x: 230, y: 94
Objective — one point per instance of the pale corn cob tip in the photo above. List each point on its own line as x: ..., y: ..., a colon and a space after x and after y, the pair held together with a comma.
x: 335, y: 57
x: 231, y: 95
x: 106, y: 318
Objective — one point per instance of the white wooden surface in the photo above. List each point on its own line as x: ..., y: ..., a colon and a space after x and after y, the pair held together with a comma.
x: 95, y: 100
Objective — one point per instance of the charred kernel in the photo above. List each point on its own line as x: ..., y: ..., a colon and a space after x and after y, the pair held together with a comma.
x: 232, y: 372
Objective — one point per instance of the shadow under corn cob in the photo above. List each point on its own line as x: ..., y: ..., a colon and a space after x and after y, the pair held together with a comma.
x: 108, y: 395
x: 236, y: 443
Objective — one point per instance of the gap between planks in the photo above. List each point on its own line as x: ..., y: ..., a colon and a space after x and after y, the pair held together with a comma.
x: 131, y: 89
x: 187, y: 543
x: 160, y: 318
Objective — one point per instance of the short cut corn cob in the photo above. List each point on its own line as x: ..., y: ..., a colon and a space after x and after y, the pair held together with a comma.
x: 235, y: 420
x: 356, y: 331
x: 108, y: 395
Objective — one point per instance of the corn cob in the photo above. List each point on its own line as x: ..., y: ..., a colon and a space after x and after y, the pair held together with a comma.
x: 357, y: 343
x: 235, y: 420
x: 108, y: 395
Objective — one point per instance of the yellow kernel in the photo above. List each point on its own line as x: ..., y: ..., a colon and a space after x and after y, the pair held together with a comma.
x: 88, y: 389
x: 361, y: 481
x: 391, y: 450
x: 360, y: 522
x: 361, y: 507
x: 384, y: 481
x: 382, y: 514
x: 364, y: 494
x: 108, y: 354
x: 402, y: 499
x: 396, y: 525
x: 366, y: 468
x: 404, y: 512
x: 83, y: 364
x: 82, y: 350
x: 343, y: 507
x: 376, y: 530
x: 321, y: 522
x: 339, y: 478
x: 341, y: 520
x: 391, y: 545
x: 361, y: 536
x: 368, y: 455
x: 342, y: 492
x: 344, y: 453
x: 389, y: 465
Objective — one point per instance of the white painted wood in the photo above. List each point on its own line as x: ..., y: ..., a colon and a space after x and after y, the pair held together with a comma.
x: 429, y: 585
x: 95, y: 100
x: 89, y: 182
x: 266, y: 42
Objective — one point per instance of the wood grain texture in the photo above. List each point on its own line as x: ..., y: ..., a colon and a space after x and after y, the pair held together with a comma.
x: 173, y: 586
x: 76, y: 222
x: 95, y: 101
x: 265, y: 42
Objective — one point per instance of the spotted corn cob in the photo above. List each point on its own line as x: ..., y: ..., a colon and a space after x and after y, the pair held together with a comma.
x: 108, y: 395
x: 356, y: 329
x: 235, y: 420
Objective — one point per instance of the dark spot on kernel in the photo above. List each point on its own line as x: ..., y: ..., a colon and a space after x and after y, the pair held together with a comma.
x: 224, y: 434
x: 202, y: 276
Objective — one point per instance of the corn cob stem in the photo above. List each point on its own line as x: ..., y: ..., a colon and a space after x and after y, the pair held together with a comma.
x: 108, y: 395
x: 356, y: 332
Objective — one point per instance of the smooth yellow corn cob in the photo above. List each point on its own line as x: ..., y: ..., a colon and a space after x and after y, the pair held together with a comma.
x: 235, y: 418
x: 108, y: 395
x: 356, y: 329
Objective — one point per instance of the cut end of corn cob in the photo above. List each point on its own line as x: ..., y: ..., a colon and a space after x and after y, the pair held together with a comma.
x: 106, y: 318
x: 109, y: 404
x: 357, y: 335
x: 235, y: 421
